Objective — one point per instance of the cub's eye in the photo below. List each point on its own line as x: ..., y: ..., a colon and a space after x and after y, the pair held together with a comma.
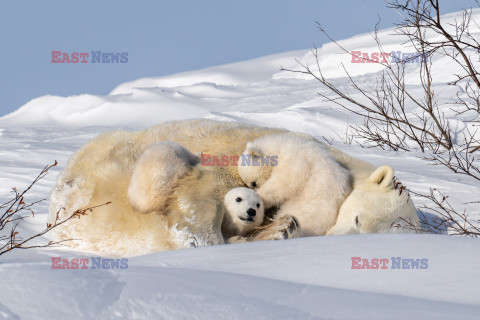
x: 356, y: 220
x: 238, y: 199
x: 254, y: 184
x: 258, y: 205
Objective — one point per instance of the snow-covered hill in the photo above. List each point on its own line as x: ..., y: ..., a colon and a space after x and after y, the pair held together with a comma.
x: 309, y: 278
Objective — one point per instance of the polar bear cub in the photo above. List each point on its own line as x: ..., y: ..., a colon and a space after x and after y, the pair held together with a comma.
x: 156, y: 175
x: 298, y: 175
x: 245, y: 212
x: 376, y: 205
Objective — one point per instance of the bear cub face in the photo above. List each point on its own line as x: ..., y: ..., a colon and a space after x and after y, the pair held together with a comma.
x: 245, y: 208
x: 253, y: 172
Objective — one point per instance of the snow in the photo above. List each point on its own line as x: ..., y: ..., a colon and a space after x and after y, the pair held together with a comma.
x: 307, y: 278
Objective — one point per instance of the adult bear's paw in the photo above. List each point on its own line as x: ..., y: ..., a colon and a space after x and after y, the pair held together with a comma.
x: 238, y: 239
x: 284, y: 227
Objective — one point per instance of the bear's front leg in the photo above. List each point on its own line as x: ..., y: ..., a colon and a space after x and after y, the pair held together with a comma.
x: 284, y: 227
x: 196, y: 222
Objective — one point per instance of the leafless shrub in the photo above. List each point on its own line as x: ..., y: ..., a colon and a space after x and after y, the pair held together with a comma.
x: 349, y: 136
x: 383, y: 105
x: 17, y: 209
x: 445, y: 219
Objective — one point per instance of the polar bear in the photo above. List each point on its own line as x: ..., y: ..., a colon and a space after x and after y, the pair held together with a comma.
x: 245, y: 212
x: 376, y: 205
x: 101, y: 171
x: 156, y: 175
x: 103, y: 168
x: 379, y: 204
x: 196, y: 210
x: 304, y: 180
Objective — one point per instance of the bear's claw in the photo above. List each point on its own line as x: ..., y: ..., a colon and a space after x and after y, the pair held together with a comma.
x: 293, y: 225
x: 286, y: 227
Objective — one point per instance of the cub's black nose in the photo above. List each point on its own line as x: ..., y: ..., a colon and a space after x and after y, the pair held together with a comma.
x: 251, y: 212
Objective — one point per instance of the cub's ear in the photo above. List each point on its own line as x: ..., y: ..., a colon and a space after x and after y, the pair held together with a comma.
x: 383, y: 176
x: 254, y: 151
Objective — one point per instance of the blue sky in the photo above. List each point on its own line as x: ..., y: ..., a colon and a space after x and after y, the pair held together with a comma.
x: 161, y: 38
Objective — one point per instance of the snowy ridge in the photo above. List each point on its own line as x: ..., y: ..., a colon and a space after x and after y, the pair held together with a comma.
x: 255, y: 86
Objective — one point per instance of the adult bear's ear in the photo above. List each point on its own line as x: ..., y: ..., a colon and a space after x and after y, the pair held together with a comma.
x: 383, y: 176
x: 254, y: 151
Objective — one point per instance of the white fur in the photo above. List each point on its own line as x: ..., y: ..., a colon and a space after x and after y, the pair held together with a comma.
x: 164, y: 200
x: 375, y: 205
x: 237, y: 210
x: 156, y: 173
x: 108, y: 169
x: 307, y: 183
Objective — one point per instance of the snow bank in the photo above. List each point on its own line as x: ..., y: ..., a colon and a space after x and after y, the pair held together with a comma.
x: 309, y: 278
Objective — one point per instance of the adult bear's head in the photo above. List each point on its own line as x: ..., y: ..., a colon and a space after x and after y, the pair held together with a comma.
x: 375, y: 205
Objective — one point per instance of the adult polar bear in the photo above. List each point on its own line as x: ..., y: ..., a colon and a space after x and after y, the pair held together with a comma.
x: 114, y: 156
x: 101, y: 172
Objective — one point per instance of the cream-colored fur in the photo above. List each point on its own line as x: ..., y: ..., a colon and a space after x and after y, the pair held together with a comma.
x: 156, y: 173
x: 305, y: 180
x: 191, y: 211
x: 200, y: 212
x: 284, y: 227
x: 102, y: 171
x: 376, y: 205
